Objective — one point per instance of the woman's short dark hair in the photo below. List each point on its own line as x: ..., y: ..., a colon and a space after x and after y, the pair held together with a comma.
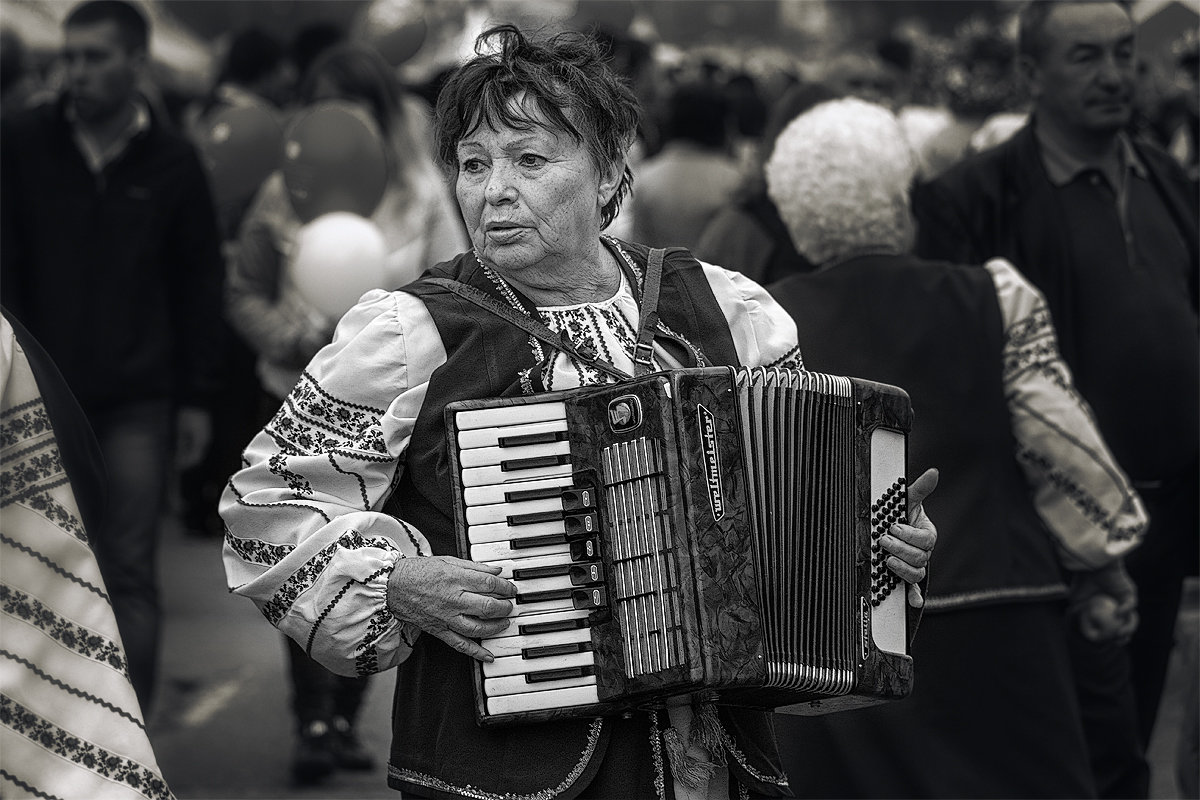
x: 565, y: 75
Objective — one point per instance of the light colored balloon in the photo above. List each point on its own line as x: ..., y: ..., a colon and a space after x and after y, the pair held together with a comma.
x: 339, y: 256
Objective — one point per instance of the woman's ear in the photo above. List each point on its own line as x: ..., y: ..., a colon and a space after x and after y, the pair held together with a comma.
x: 610, y: 181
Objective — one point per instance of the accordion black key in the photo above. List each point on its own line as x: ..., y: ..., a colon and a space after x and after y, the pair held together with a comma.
x: 696, y: 533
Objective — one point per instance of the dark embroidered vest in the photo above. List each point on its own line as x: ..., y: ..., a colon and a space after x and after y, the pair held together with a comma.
x: 856, y: 319
x: 438, y: 750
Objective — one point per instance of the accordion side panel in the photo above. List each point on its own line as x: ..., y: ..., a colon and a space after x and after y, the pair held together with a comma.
x: 883, y: 411
x: 880, y: 675
x: 712, y: 477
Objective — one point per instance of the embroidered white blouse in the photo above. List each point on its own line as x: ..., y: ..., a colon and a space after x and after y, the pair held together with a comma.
x: 307, y: 543
x: 302, y: 515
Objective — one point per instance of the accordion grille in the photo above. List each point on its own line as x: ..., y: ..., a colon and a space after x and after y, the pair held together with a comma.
x: 642, y: 543
x: 798, y: 429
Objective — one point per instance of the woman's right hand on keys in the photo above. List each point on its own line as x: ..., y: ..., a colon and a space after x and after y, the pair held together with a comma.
x: 453, y: 599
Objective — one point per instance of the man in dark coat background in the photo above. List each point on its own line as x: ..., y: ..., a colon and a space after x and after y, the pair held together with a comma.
x: 110, y: 256
x: 1106, y: 227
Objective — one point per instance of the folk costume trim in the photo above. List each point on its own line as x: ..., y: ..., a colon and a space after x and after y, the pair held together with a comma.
x: 948, y: 602
x: 656, y: 755
x: 80, y: 752
x: 303, y: 579
x: 430, y: 782
x: 744, y: 762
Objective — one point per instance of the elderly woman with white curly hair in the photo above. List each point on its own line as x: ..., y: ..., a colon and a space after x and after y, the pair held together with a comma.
x: 1033, y: 493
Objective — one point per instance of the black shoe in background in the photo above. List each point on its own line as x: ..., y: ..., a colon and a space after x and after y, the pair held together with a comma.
x: 348, y: 752
x: 314, y: 758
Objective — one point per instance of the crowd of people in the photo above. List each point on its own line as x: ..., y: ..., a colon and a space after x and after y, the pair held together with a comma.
x: 1003, y: 225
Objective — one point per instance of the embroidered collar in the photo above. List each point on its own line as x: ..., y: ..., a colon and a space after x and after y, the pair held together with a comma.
x: 632, y: 270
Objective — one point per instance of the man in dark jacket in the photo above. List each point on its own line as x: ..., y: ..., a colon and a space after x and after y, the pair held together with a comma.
x: 111, y: 257
x: 1107, y: 228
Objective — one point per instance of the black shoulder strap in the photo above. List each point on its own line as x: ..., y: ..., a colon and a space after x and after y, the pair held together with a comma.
x: 649, y: 313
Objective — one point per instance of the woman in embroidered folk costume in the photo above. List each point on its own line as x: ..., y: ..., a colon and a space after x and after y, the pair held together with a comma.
x: 341, y: 524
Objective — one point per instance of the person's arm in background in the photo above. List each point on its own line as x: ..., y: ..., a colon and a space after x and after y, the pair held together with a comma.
x: 283, y: 332
x: 1084, y: 498
x: 196, y: 268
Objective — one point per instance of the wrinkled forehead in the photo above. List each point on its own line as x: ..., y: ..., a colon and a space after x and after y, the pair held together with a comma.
x: 1071, y: 24
x: 522, y: 112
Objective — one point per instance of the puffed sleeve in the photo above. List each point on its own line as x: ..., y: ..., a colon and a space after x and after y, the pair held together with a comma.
x: 305, y: 538
x: 764, y: 334
x: 1079, y: 490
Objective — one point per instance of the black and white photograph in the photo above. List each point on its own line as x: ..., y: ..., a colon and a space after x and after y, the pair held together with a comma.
x: 599, y: 399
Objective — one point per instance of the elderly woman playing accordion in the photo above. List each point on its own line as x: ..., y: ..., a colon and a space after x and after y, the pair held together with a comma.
x: 341, y: 524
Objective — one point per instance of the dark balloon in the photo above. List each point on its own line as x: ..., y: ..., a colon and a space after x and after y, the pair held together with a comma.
x: 334, y: 159
x: 241, y: 146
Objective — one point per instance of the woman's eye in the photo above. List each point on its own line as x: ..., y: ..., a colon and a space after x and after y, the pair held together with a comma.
x: 471, y: 165
x: 531, y: 160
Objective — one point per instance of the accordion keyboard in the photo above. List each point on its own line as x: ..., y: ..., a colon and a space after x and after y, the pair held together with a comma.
x: 526, y: 515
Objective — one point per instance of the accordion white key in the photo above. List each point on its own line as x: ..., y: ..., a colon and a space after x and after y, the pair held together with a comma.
x: 696, y: 533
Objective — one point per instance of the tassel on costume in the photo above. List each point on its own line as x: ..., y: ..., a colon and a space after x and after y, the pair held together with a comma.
x: 708, y: 733
x: 688, y: 770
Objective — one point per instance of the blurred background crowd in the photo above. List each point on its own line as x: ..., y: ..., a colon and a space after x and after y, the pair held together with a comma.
x: 313, y: 122
x: 948, y: 65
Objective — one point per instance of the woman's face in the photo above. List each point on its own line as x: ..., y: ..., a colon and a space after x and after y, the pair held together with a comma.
x: 531, y: 200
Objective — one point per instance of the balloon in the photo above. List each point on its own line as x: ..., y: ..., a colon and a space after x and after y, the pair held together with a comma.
x: 334, y: 159
x: 241, y: 146
x: 338, y: 257
x: 397, y: 29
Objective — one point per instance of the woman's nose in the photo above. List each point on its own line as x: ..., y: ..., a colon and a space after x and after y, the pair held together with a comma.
x: 499, y: 186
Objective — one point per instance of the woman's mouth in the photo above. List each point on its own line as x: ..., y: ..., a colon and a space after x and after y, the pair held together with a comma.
x: 503, y: 234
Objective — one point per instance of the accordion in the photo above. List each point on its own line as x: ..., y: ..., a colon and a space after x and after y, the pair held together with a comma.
x: 707, y: 533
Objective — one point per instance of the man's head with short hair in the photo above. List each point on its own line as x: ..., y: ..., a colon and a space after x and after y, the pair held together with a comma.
x: 105, y: 50
x: 130, y: 22
x: 1078, y: 61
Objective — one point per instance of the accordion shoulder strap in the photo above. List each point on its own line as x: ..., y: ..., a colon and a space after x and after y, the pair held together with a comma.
x: 649, y: 313
x: 533, y: 327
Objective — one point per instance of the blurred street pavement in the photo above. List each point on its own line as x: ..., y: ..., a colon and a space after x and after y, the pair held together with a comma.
x: 222, y: 726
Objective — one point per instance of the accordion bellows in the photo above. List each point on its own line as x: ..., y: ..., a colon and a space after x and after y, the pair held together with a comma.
x: 704, y: 534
